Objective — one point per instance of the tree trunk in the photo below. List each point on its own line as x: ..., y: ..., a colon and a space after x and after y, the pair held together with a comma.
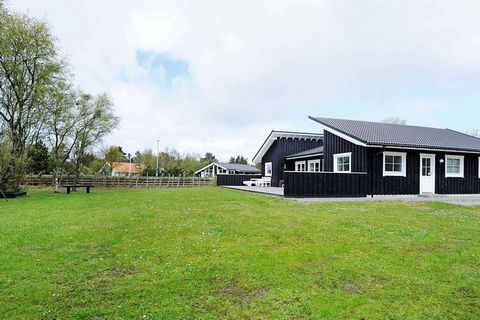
x: 56, y: 182
x: 11, y: 179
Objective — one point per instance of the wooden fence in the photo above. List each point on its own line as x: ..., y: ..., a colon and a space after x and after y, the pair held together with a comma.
x: 324, y: 184
x: 102, y: 181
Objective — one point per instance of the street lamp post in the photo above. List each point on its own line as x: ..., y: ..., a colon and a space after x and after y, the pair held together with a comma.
x: 156, y: 174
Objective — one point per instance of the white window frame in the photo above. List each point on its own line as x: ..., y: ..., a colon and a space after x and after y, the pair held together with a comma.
x: 454, y: 175
x: 268, y: 165
x: 402, y: 173
x: 342, y: 155
x: 304, y: 163
x: 316, y: 161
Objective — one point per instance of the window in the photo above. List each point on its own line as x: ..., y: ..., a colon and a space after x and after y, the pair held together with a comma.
x: 454, y: 166
x: 268, y: 169
x: 426, y: 167
x: 300, y: 166
x: 342, y: 162
x: 314, y: 165
x: 394, y: 164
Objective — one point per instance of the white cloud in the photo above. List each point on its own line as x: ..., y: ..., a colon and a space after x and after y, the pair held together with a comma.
x: 259, y: 65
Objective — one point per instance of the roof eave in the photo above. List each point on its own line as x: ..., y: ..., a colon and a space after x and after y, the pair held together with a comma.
x: 425, y: 148
x: 304, y: 156
x: 340, y: 133
x: 307, y: 135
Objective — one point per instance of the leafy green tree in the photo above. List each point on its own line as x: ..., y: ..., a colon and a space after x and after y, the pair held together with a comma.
x: 209, y: 158
x: 148, y: 160
x: 38, y: 159
x: 29, y: 65
x: 238, y: 159
x: 115, y: 154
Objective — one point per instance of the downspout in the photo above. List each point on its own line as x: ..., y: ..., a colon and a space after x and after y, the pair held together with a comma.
x: 374, y: 167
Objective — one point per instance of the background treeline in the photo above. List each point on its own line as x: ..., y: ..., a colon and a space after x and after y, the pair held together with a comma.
x: 170, y: 162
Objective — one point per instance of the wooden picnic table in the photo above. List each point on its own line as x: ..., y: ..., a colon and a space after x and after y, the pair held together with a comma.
x: 69, y: 187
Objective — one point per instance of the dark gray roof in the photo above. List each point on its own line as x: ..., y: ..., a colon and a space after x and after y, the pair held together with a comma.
x: 385, y: 134
x: 306, y: 153
x: 239, y: 167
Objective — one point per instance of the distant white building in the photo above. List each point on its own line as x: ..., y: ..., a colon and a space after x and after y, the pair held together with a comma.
x: 214, y: 169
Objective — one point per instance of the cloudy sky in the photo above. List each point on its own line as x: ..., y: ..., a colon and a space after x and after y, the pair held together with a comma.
x: 219, y: 75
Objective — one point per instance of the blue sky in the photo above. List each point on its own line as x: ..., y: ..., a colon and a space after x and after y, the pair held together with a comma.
x: 161, y: 68
x: 217, y: 76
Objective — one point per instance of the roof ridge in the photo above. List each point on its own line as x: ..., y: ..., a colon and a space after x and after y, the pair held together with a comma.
x: 463, y: 133
x: 378, y: 122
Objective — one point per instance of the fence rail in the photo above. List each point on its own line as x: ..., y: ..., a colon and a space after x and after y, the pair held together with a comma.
x: 101, y: 181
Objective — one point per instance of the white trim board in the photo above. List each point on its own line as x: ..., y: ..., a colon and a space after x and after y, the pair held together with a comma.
x: 210, y: 165
x: 304, y: 156
x: 341, y: 135
x: 329, y: 172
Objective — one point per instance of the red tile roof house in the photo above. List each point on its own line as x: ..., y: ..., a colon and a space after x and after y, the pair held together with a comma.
x: 125, y: 169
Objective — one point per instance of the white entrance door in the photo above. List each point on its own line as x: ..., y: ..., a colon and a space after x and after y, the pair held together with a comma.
x: 427, y: 173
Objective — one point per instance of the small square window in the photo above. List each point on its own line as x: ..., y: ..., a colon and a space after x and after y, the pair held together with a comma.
x: 313, y: 165
x: 342, y: 162
x: 300, y: 166
x: 268, y: 169
x: 394, y: 164
x: 454, y: 166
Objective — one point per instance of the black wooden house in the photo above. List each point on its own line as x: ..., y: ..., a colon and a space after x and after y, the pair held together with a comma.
x: 277, y: 146
x: 359, y: 158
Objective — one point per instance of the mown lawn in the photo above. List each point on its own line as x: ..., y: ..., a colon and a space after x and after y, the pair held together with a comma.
x: 222, y: 254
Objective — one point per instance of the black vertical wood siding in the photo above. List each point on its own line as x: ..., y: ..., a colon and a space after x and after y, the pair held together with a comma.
x: 281, y: 148
x: 469, y: 184
x: 378, y: 184
x: 334, y: 144
x: 235, y: 179
x: 324, y: 184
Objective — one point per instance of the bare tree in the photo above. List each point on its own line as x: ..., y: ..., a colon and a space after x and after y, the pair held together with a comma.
x: 28, y: 66
x: 60, y: 126
x: 98, y: 120
x: 395, y: 120
x: 474, y: 132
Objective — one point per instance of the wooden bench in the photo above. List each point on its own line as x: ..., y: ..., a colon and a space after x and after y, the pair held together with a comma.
x: 87, y: 187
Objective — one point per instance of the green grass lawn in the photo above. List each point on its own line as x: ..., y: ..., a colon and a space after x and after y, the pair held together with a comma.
x: 223, y: 254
